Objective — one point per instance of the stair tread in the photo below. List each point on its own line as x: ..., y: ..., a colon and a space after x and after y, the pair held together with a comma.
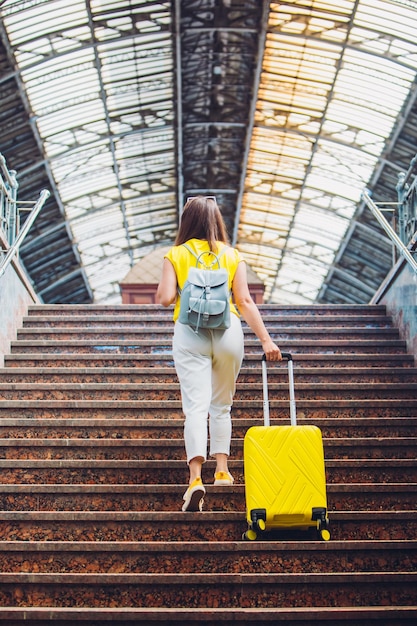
x: 257, y: 387
x: 304, y: 356
x: 239, y: 421
x: 172, y: 463
x: 173, y: 526
x: 141, y: 308
x: 168, y: 488
x: 242, y: 615
x: 132, y: 442
x: 202, y: 546
x: 168, y: 341
x: 197, y: 578
x: 164, y: 316
x: 161, y: 370
x: 301, y: 402
x: 113, y: 375
x: 176, y: 423
x: 202, y: 517
x: 169, y: 330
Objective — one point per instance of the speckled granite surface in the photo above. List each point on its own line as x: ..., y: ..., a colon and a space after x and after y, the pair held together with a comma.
x: 92, y: 469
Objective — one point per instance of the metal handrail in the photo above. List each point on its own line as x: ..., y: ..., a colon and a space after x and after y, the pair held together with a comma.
x: 403, y: 250
x: 407, y: 202
x: 43, y: 196
x: 8, y: 194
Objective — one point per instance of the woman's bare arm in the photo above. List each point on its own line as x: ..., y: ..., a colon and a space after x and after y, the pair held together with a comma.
x: 251, y: 314
x: 166, y: 293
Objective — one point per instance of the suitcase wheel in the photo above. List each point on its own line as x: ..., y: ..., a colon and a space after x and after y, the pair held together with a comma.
x: 322, y: 531
x: 258, y: 518
x: 249, y: 535
x: 257, y: 525
x: 324, y: 534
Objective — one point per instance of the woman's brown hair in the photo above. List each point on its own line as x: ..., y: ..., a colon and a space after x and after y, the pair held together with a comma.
x: 201, y: 219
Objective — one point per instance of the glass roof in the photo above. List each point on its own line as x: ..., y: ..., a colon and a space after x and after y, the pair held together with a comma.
x: 334, y: 79
x: 100, y: 85
x: 99, y: 79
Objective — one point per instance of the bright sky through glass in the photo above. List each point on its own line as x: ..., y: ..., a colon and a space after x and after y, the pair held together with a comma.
x: 99, y: 78
x: 333, y: 83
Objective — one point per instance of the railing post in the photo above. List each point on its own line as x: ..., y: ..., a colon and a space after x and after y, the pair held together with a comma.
x: 44, y: 195
x: 407, y: 203
x: 9, y: 213
x: 13, y: 219
x: 389, y: 231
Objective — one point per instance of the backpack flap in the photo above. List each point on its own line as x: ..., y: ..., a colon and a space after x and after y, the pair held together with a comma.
x: 205, y: 299
x: 207, y: 278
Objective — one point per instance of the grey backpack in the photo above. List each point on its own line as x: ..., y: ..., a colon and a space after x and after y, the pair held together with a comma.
x: 205, y: 297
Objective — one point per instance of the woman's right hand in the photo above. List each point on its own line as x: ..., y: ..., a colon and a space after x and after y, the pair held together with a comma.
x: 271, y: 350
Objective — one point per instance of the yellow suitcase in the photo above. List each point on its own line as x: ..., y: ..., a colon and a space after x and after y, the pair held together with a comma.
x: 284, y: 470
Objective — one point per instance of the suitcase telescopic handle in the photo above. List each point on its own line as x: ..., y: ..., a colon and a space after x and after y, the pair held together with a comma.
x: 293, y: 412
x: 285, y: 355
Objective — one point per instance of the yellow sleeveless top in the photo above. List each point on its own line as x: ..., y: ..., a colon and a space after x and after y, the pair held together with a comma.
x: 182, y: 260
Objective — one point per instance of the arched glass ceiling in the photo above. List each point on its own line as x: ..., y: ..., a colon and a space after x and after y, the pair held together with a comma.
x: 99, y: 80
x: 335, y: 77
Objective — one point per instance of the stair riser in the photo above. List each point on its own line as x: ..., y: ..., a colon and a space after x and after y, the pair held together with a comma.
x: 149, y: 392
x: 150, y: 346
x: 247, y: 376
x: 238, y: 594
x: 233, y: 500
x: 172, y: 449
x: 133, y: 476
x: 403, y: 616
x: 378, y: 528
x: 145, y: 311
x: 165, y: 333
x: 278, y: 559
x: 116, y: 429
x: 164, y: 319
x: 165, y: 360
x: 307, y: 410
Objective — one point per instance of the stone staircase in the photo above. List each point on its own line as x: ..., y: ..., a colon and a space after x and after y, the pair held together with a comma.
x: 92, y: 474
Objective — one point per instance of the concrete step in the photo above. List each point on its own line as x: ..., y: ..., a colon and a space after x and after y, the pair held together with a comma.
x: 158, y: 375
x: 148, y: 449
x: 146, y: 310
x: 140, y: 472
x: 139, y: 428
x: 174, y: 526
x: 212, y: 616
x: 171, y: 391
x: 283, y: 334
x: 139, y: 360
x: 203, y: 556
x: 168, y: 497
x: 171, y: 409
x: 206, y: 589
x: 48, y: 557
x: 161, y: 318
x: 164, y: 345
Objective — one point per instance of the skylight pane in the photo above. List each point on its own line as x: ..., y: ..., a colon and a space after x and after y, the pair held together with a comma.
x: 99, y: 80
x: 334, y: 79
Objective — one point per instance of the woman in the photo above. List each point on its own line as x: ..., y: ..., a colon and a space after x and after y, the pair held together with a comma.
x: 208, y: 362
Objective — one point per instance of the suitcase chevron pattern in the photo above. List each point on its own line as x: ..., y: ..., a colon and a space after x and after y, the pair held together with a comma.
x: 284, y: 471
x: 285, y: 474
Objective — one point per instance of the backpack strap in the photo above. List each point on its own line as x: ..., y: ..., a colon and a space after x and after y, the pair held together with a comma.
x: 198, y: 256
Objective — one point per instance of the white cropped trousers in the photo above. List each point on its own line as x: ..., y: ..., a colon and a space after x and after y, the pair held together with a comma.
x: 207, y: 365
